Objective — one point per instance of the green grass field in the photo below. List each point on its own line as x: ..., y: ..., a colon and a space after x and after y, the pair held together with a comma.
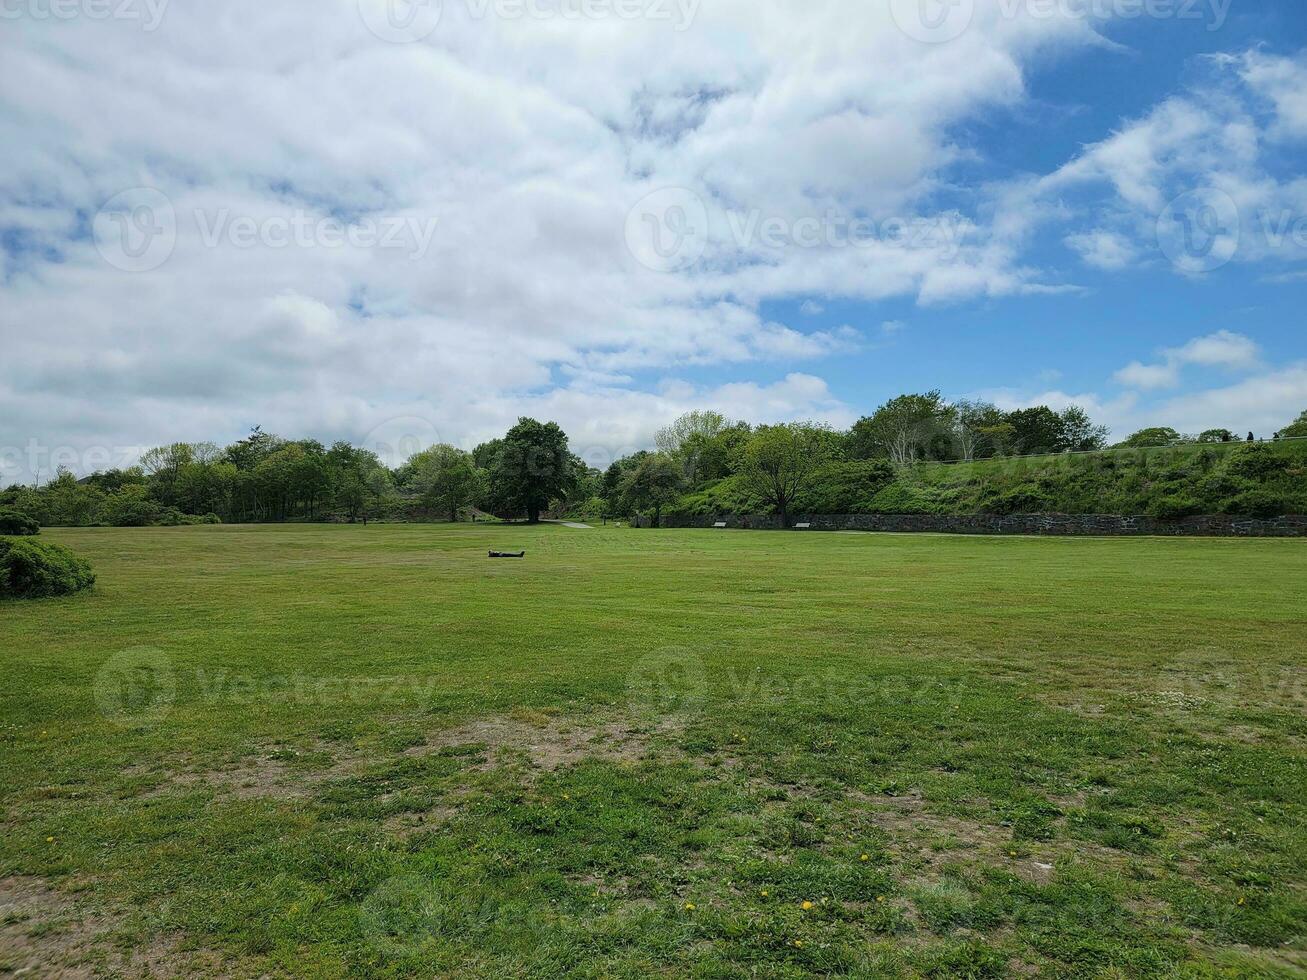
x: 348, y: 751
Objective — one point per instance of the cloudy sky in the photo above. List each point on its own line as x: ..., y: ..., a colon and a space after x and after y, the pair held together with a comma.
x: 398, y: 222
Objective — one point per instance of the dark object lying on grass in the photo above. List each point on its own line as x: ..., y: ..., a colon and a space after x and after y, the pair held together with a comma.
x: 506, y: 554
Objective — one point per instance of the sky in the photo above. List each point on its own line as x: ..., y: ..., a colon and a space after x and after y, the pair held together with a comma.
x: 399, y: 222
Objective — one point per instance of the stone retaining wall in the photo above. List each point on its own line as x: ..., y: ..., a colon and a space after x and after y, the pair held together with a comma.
x: 1217, y: 525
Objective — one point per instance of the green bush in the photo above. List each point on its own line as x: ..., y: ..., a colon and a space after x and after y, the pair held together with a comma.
x: 1256, y: 462
x: 1257, y: 503
x: 1028, y: 499
x: 903, y: 498
x: 33, y: 569
x: 17, y: 523
x: 845, y: 487
x: 1174, y: 506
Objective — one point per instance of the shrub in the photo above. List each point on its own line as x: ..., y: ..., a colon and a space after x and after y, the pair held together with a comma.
x: 1257, y: 503
x: 1174, y: 506
x: 17, y: 523
x: 34, y: 569
x: 902, y: 498
x: 1256, y: 462
x: 1026, y: 499
x: 844, y: 488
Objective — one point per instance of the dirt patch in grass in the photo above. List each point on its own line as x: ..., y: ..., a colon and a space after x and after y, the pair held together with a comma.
x: 45, y: 933
x: 273, y: 772
x: 546, y: 742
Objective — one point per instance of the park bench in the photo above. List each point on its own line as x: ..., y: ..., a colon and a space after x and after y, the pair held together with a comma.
x: 720, y: 524
x: 803, y: 527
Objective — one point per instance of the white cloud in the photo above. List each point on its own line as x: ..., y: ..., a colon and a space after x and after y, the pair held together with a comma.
x: 1139, y: 375
x: 1223, y: 349
x: 1105, y: 250
x: 1283, y: 81
x: 528, y: 141
x: 1263, y: 404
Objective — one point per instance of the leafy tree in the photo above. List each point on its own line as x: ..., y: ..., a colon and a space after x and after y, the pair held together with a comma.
x: 652, y: 484
x: 974, y: 427
x: 903, y: 429
x: 1295, y: 429
x: 164, y: 465
x: 694, y: 442
x: 359, y: 482
x: 1217, y: 435
x: 1036, y: 430
x: 705, y: 457
x: 671, y: 439
x: 447, y: 479
x: 1079, y: 433
x: 778, y: 462
x: 532, y: 467
x: 115, y: 479
x: 1154, y: 437
x: 66, y: 503
x: 484, y: 455
x: 130, y: 506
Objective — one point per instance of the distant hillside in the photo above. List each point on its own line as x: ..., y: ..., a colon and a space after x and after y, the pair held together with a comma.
x: 1261, y: 479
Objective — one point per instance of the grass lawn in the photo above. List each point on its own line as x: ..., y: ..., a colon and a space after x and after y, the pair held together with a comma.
x: 349, y: 751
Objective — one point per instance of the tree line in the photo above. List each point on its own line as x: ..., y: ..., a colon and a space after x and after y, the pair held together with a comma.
x: 702, y: 462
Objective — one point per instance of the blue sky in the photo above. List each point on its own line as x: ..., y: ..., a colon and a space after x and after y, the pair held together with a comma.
x: 309, y: 218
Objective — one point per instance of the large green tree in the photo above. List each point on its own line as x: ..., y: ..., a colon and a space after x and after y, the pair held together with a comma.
x: 778, y: 462
x: 652, y: 484
x: 532, y: 467
x: 904, y: 429
x: 1153, y: 438
x: 447, y: 479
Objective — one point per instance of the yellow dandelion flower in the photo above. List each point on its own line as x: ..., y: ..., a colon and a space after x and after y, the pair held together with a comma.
x: 865, y: 857
x: 880, y: 898
x: 49, y: 840
x: 798, y: 943
x: 689, y: 906
x: 806, y: 906
x: 765, y: 893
